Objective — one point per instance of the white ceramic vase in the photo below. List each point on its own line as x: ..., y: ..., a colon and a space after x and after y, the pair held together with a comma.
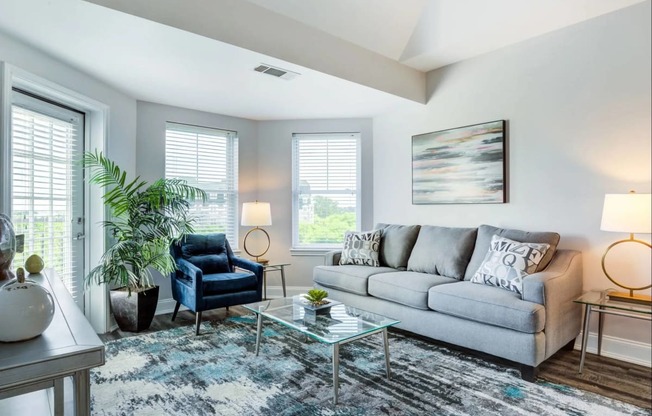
x: 26, y: 309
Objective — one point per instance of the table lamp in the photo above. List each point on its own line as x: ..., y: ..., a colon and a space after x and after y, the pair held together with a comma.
x: 627, y: 213
x: 256, y: 214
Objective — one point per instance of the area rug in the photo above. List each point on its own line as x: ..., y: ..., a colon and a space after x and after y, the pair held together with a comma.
x: 174, y: 372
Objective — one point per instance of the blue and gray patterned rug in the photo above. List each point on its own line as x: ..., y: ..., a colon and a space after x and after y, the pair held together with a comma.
x: 174, y: 372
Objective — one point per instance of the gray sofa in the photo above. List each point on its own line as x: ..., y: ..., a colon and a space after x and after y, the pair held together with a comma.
x: 424, y: 281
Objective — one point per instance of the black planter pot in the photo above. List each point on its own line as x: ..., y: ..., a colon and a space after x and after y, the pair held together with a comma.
x: 134, y: 313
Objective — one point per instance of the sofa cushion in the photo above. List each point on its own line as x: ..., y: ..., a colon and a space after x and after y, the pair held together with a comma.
x: 361, y: 248
x: 396, y: 244
x: 211, y: 263
x: 486, y: 232
x: 352, y: 279
x: 487, y: 304
x: 406, y: 288
x: 444, y: 251
x: 508, y: 262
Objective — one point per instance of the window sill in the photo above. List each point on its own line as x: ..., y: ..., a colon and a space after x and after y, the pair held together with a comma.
x: 311, y: 251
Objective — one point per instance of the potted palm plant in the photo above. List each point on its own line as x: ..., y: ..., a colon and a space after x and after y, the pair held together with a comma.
x: 144, y: 220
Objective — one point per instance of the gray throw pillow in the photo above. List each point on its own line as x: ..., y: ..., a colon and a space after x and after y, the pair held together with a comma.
x: 508, y: 262
x: 486, y: 232
x: 444, y: 251
x: 361, y: 248
x: 396, y: 244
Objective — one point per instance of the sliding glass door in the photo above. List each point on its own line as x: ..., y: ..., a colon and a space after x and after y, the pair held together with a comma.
x: 47, y: 188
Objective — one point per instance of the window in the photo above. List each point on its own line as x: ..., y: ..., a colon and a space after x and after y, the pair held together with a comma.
x: 47, y: 192
x: 208, y: 159
x: 325, y: 188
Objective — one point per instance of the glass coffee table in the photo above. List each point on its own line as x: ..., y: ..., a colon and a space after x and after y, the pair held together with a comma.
x: 337, y: 326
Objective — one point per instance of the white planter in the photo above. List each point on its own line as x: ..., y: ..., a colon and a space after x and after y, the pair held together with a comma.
x: 26, y: 310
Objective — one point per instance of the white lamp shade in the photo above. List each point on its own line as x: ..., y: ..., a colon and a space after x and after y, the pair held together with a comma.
x: 627, y: 213
x: 256, y: 214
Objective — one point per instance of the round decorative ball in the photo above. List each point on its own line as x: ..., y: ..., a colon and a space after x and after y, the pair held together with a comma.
x: 26, y: 309
x: 34, y: 264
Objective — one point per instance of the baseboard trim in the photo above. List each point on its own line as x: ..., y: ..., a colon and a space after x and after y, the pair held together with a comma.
x: 277, y: 291
x: 618, y: 348
x: 167, y: 306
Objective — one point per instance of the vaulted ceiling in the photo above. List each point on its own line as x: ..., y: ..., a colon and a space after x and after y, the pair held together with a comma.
x: 357, y: 58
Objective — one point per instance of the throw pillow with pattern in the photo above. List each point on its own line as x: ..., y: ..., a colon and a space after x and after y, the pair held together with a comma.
x: 361, y: 248
x: 508, y: 262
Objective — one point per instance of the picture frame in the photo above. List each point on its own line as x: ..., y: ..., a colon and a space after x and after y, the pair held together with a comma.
x: 462, y: 165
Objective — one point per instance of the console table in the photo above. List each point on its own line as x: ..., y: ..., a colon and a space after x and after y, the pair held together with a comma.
x: 69, y: 347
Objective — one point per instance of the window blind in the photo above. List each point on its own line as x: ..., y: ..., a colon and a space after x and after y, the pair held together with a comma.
x: 326, y: 192
x: 208, y: 159
x: 46, y: 184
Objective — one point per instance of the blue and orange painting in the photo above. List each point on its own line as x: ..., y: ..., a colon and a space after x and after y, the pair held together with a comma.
x: 464, y: 165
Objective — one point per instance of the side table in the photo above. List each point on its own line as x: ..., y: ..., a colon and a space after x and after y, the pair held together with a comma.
x: 600, y: 303
x: 274, y: 267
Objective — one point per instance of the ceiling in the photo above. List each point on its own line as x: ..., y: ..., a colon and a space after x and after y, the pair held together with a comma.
x: 356, y: 58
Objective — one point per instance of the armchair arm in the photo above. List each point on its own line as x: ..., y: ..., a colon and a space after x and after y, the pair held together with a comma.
x: 332, y: 258
x: 252, y: 266
x: 192, y: 272
x: 556, y: 287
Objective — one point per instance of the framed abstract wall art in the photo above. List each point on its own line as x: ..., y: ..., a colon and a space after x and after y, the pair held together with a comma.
x: 464, y: 165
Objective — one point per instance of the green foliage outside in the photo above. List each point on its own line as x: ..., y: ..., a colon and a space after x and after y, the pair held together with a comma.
x: 329, y: 224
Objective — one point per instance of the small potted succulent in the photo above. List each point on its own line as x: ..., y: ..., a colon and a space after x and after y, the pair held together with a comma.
x: 316, y: 302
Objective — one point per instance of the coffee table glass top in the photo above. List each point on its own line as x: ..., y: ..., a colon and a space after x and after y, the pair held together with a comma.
x: 341, y: 323
x: 601, y: 299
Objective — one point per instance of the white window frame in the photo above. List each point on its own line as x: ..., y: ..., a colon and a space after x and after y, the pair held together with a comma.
x: 298, y: 248
x: 231, y: 162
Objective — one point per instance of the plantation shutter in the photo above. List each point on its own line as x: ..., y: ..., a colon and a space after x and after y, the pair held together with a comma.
x: 46, y: 184
x: 208, y: 159
x: 326, y: 191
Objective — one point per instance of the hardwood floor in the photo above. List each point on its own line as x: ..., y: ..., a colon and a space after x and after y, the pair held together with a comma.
x: 612, y: 378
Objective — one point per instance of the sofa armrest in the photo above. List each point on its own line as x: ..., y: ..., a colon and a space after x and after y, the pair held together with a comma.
x: 332, y: 258
x: 556, y: 287
x: 190, y: 271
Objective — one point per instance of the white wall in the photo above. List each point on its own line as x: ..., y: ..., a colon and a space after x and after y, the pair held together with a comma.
x: 150, y: 155
x: 275, y: 186
x: 577, y: 102
x: 122, y: 117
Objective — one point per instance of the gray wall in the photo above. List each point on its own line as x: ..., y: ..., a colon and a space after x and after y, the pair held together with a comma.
x: 578, y: 107
x: 275, y: 186
x: 150, y: 151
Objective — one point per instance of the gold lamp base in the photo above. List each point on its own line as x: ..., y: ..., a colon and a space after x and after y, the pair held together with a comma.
x: 630, y: 298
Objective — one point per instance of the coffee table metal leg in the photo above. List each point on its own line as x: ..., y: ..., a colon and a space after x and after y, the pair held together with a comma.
x: 259, y: 329
x: 600, y: 326
x: 386, y: 342
x: 585, y: 334
x: 336, y: 371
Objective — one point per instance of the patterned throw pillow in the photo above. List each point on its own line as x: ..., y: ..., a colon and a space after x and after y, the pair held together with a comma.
x: 361, y: 248
x: 507, y: 262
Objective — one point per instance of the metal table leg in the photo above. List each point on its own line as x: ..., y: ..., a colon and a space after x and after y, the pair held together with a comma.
x: 259, y: 330
x: 264, y: 284
x: 386, y: 343
x: 336, y: 371
x: 58, y: 397
x: 283, y: 280
x: 585, y: 334
x: 600, y: 326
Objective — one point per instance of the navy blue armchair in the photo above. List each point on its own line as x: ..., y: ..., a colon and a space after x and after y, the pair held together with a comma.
x: 206, y: 276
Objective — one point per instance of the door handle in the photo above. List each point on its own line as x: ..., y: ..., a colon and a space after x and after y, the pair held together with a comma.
x: 79, y: 236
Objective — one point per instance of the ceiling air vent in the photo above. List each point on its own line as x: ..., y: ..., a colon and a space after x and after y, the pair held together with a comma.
x: 276, y: 72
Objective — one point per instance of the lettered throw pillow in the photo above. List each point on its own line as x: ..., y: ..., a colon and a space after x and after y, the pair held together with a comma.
x: 362, y: 248
x: 507, y: 262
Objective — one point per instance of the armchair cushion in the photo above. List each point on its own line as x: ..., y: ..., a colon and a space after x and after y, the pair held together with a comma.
x: 207, y: 251
x: 211, y: 263
x: 229, y: 282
